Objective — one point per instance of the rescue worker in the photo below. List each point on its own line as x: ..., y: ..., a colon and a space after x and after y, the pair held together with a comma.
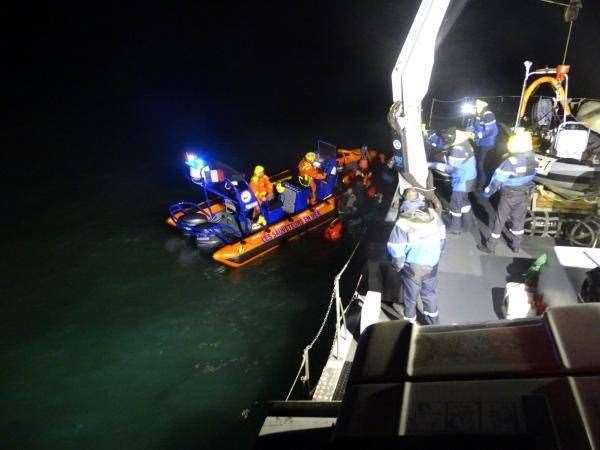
x: 436, y: 141
x: 414, y: 247
x: 261, y: 185
x: 461, y: 168
x: 514, y: 179
x: 308, y: 173
x: 486, y: 132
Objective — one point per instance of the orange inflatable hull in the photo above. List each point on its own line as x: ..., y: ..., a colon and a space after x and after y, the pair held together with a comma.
x: 257, y: 244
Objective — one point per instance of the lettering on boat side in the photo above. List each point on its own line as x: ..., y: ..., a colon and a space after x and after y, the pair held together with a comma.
x: 285, y: 228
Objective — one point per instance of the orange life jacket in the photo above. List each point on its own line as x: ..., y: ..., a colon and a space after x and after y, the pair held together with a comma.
x: 261, y: 186
x: 307, y: 171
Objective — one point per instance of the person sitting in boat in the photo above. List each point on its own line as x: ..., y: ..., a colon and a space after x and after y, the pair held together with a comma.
x: 261, y: 185
x: 514, y: 180
x: 363, y: 173
x: 308, y: 172
x: 486, y: 132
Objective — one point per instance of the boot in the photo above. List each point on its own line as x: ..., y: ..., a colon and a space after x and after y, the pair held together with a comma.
x: 455, y: 224
x: 489, y: 247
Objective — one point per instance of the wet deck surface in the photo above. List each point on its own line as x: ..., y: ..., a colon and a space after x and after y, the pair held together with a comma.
x: 471, y: 283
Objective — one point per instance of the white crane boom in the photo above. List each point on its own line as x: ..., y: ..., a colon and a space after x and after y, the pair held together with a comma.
x: 410, y: 83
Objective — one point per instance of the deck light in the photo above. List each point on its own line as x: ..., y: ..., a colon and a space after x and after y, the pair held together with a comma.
x: 467, y: 109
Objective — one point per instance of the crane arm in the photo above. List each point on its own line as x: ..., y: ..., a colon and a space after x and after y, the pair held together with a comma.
x: 410, y: 83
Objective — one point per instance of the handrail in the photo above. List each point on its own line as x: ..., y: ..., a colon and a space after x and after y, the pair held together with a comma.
x: 340, y: 314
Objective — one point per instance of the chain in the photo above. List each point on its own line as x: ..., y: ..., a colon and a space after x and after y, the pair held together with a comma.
x: 322, y: 327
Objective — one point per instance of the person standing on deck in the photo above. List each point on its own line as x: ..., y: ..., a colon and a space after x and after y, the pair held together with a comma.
x: 414, y: 248
x: 514, y: 180
x: 486, y: 132
x: 463, y: 173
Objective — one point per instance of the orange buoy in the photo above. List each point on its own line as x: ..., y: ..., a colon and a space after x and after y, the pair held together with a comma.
x: 334, y: 231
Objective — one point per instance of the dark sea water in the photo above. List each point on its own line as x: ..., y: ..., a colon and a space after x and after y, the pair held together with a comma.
x: 115, y: 332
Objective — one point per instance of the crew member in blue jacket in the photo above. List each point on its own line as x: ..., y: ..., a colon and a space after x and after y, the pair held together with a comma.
x: 462, y: 170
x: 414, y: 248
x: 486, y: 132
x: 514, y: 179
x: 436, y: 141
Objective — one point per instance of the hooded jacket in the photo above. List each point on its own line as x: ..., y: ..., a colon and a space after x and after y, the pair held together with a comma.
x: 417, y: 238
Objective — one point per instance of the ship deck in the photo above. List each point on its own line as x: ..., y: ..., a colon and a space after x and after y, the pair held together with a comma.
x: 471, y: 283
x: 471, y: 287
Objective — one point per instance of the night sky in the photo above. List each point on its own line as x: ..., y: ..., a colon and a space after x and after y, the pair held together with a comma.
x: 82, y: 70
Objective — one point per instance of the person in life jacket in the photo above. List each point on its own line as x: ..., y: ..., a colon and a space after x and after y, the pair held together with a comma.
x: 514, y: 179
x: 363, y: 173
x: 461, y: 168
x: 308, y: 173
x: 486, y: 133
x: 414, y: 248
x: 261, y: 185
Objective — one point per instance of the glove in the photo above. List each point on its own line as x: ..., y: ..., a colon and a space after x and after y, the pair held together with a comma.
x: 487, y: 193
x: 397, y: 264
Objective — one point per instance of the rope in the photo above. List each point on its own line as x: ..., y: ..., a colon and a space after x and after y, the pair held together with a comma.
x: 424, y: 189
x: 568, y: 40
x: 295, y: 380
x: 322, y: 327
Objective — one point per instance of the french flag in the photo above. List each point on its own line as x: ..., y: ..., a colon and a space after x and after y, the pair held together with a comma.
x: 214, y: 176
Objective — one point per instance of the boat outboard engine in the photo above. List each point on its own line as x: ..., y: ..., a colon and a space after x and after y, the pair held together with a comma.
x: 190, y: 220
x: 212, y: 235
x: 542, y: 113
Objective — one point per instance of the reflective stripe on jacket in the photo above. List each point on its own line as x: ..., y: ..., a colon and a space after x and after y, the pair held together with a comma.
x: 516, y: 171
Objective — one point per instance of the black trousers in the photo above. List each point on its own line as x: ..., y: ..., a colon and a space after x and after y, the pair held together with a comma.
x: 511, y: 208
x: 461, y: 215
x: 420, y: 281
x: 481, y: 155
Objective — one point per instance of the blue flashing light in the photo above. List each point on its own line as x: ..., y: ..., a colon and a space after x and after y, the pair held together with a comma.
x: 193, y: 161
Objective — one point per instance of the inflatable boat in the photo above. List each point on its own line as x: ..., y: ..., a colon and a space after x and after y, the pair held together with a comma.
x: 569, y: 144
x: 224, y: 224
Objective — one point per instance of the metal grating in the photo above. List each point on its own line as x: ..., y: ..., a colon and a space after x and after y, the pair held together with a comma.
x: 343, y: 381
